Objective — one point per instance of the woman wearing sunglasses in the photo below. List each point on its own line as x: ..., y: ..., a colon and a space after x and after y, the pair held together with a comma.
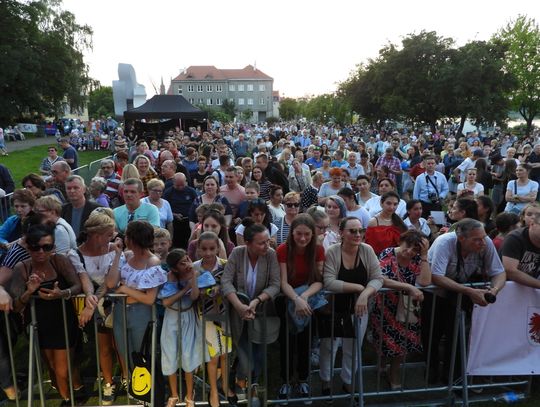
x: 292, y: 207
x: 352, y: 272
x: 51, y: 277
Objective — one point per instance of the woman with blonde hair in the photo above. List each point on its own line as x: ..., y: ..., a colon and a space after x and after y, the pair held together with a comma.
x: 146, y: 172
x: 50, y: 207
x: 92, y: 260
x: 465, y: 150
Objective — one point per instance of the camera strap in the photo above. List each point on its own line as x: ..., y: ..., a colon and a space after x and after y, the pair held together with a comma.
x: 428, y: 179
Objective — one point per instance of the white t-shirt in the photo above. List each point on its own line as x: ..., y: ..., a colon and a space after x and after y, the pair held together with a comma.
x: 463, y: 167
x: 478, y: 188
x: 361, y: 214
x: 520, y: 190
x: 424, y: 227
x: 273, y: 230
x: 373, y: 206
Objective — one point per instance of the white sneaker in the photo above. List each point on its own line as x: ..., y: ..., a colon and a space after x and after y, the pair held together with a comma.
x: 303, y: 390
x: 284, y: 393
x: 109, y: 394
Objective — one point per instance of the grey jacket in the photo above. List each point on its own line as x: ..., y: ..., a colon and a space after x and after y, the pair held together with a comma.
x: 332, y: 264
x: 233, y: 280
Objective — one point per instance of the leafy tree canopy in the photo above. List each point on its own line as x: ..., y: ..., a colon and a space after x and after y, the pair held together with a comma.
x: 522, y: 59
x: 100, y: 102
x: 41, y: 49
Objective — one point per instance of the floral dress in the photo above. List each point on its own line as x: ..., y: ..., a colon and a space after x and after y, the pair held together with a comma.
x: 213, y: 308
x: 397, y: 339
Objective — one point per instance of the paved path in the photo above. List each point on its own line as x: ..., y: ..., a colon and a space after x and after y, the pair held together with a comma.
x: 30, y: 142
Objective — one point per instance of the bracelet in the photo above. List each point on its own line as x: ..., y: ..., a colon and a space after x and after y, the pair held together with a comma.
x: 260, y: 300
x: 69, y: 294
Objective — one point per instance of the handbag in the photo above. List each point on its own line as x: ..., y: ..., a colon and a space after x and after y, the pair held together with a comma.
x: 268, y: 333
x: 408, y: 311
x: 141, y: 377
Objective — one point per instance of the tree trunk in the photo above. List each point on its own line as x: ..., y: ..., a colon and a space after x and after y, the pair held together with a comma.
x: 528, y: 129
x: 461, y: 125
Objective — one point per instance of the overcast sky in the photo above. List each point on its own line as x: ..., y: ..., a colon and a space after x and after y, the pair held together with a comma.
x: 306, y: 46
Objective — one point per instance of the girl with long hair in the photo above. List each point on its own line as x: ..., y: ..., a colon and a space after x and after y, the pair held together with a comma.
x: 213, y: 221
x: 384, y: 229
x: 258, y: 212
x: 301, y: 261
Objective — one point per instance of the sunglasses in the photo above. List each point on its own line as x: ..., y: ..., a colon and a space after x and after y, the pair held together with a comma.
x: 356, y: 231
x: 44, y: 247
x: 292, y: 205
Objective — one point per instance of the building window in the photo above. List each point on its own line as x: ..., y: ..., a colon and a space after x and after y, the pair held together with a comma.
x: 240, y: 88
x: 262, y: 88
x: 191, y: 100
x: 179, y: 89
x: 250, y: 87
x: 241, y: 102
x: 200, y: 101
x: 199, y: 88
x: 250, y: 102
x: 219, y: 88
x: 231, y: 88
x: 209, y: 102
x: 219, y: 101
x: 261, y: 101
x: 209, y: 88
x: 190, y: 88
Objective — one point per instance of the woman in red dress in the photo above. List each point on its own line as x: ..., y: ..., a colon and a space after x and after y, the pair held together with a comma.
x: 384, y: 229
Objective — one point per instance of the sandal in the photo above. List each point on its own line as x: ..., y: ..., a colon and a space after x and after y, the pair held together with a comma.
x: 190, y: 402
x: 172, y: 401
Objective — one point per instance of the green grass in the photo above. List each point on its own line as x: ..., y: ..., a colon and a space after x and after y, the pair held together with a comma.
x: 23, y: 162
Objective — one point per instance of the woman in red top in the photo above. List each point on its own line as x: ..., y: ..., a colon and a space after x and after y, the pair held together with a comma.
x: 385, y: 228
x: 301, y: 261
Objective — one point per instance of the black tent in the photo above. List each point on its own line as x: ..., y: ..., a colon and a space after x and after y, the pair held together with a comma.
x: 166, y: 107
x: 170, y: 111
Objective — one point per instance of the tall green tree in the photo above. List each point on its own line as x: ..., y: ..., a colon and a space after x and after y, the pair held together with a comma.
x: 522, y: 59
x: 478, y: 83
x: 415, y: 74
x: 100, y: 102
x: 228, y: 107
x: 288, y: 108
x: 41, y: 49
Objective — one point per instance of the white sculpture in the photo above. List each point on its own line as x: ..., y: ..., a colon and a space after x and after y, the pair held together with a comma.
x: 127, y: 93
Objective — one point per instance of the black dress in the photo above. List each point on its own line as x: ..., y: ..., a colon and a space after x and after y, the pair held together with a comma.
x: 49, y: 318
x: 343, y: 303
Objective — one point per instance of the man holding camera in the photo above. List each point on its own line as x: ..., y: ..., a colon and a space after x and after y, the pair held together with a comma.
x: 430, y: 188
x: 456, y: 258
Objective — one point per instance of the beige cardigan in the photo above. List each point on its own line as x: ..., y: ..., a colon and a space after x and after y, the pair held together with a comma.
x: 332, y: 264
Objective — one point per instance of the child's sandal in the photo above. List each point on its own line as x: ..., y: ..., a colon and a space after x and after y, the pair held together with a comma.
x: 172, y: 401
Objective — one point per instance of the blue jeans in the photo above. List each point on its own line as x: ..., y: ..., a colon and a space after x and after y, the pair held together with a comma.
x: 244, y: 357
x: 138, y: 315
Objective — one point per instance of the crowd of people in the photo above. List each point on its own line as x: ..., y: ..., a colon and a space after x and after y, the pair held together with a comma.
x: 302, y: 223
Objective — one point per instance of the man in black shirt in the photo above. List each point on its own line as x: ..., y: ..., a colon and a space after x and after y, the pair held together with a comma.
x: 521, y: 254
x: 180, y: 196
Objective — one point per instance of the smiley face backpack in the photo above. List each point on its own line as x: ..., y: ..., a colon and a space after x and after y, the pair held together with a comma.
x: 140, y: 386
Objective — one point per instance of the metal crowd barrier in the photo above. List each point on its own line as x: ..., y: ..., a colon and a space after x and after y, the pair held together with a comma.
x: 364, y: 387
x: 5, y: 207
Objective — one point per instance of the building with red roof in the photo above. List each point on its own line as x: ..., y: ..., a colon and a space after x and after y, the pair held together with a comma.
x: 208, y: 87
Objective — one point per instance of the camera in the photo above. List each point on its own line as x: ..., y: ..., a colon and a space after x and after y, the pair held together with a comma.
x: 490, y: 298
x: 433, y: 197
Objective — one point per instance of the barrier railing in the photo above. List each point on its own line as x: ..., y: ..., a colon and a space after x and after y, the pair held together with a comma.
x: 5, y: 207
x: 364, y: 385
